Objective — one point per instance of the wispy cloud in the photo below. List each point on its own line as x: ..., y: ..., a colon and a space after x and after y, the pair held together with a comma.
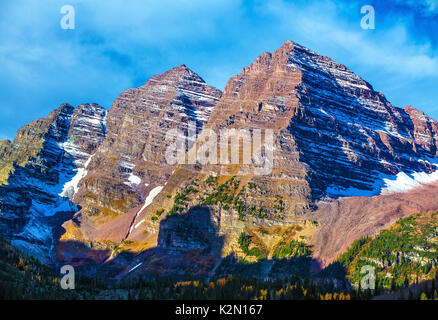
x: 119, y: 44
x: 388, y: 47
x: 427, y: 6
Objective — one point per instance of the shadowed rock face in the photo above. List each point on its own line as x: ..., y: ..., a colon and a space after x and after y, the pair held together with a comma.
x: 35, y: 197
x: 195, y: 230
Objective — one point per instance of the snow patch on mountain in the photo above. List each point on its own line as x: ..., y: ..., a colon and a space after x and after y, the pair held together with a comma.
x: 72, y: 185
x: 133, y: 180
x: 408, y: 181
x: 139, y: 224
x: 151, y: 196
x: 135, y: 267
x: 388, y: 184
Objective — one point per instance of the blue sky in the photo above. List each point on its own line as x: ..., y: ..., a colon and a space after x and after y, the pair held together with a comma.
x: 120, y: 44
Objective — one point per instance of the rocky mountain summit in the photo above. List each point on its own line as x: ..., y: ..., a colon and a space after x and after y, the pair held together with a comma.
x: 334, y: 136
x: 90, y: 187
x: 130, y: 167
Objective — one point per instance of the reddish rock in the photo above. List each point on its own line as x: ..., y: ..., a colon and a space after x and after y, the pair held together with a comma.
x: 345, y: 220
x: 131, y: 161
x: 334, y: 136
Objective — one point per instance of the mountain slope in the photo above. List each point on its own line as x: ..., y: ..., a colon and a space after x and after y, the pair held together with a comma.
x: 41, y: 168
x: 124, y: 207
x: 130, y: 166
x: 348, y: 219
x: 333, y: 136
x: 403, y: 254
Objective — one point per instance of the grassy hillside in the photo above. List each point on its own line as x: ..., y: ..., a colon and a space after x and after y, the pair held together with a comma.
x: 404, y: 254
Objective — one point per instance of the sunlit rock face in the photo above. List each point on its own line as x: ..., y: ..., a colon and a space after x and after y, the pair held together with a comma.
x: 130, y: 166
x: 345, y: 135
x: 99, y: 181
x: 334, y: 136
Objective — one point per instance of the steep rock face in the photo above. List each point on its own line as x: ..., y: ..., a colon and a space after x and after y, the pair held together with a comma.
x: 425, y: 129
x: 87, y: 131
x: 130, y: 166
x: 27, y: 144
x: 261, y: 97
x: 41, y: 169
x: 349, y: 134
x: 333, y: 136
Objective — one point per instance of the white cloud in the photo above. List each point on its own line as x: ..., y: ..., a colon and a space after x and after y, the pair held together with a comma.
x: 427, y: 6
x: 119, y: 44
x: 390, y: 48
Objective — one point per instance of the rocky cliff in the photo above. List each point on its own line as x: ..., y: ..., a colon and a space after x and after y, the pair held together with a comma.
x: 333, y: 138
x: 40, y: 172
x: 130, y: 167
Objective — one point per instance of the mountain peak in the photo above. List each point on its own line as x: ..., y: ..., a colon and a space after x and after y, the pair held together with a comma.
x: 176, y: 75
x: 290, y: 45
x: 65, y: 107
x: 180, y: 69
x: 333, y: 136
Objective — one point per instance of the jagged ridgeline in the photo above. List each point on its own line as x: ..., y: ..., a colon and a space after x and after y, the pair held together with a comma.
x: 95, y: 188
x: 333, y: 136
x: 41, y: 170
